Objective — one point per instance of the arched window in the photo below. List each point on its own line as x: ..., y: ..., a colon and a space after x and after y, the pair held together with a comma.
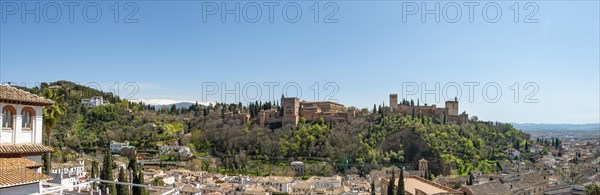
x: 7, y: 117
x: 27, y: 119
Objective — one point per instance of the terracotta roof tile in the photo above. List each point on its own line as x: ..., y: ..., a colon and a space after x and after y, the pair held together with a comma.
x: 9, y: 94
x: 10, y: 177
x: 17, y: 163
x: 494, y: 188
x: 23, y: 149
x: 17, y: 171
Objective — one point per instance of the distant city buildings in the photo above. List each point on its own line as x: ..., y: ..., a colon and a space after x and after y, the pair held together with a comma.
x: 529, y: 183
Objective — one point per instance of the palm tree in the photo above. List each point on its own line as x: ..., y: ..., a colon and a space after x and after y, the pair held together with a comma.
x: 51, y: 114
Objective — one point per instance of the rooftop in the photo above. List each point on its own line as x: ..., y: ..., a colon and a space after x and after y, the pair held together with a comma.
x: 23, y: 149
x: 16, y: 163
x: 494, y: 187
x: 13, y: 95
x: 414, y: 183
x: 16, y: 171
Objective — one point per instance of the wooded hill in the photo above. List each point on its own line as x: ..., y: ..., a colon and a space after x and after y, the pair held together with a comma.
x: 475, y: 146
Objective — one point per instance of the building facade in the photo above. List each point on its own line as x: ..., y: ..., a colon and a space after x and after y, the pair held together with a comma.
x: 68, y: 174
x: 21, y: 141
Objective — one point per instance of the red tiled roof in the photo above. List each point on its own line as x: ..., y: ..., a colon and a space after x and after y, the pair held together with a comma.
x: 7, y: 150
x: 17, y: 163
x: 16, y: 171
x: 9, y: 94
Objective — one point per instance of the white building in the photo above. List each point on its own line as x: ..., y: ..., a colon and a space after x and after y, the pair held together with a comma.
x: 94, y: 101
x: 298, y: 167
x: 68, y: 174
x: 21, y: 141
x: 513, y: 152
x: 282, y: 184
x: 116, y: 147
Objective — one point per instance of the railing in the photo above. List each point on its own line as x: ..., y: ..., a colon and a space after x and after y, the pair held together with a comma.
x: 62, y: 189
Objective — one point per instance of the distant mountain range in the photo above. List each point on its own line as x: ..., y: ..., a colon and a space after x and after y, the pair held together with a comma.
x: 159, y: 104
x: 557, y: 127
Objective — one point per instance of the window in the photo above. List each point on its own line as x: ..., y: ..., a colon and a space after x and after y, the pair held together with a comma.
x: 27, y: 122
x: 7, y: 119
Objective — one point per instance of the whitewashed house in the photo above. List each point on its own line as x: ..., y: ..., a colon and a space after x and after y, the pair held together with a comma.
x: 68, y: 174
x: 21, y: 141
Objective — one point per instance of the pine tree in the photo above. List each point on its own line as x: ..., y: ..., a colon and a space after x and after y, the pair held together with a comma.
x: 122, y: 189
x: 106, y: 174
x: 390, y: 190
x: 400, y: 189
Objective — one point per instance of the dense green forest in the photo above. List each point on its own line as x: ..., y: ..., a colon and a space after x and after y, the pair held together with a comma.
x: 450, y: 149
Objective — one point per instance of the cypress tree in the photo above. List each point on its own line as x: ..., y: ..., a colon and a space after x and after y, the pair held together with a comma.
x: 400, y: 190
x: 374, y: 109
x: 372, y: 187
x: 122, y: 189
x: 136, y: 180
x: 470, y: 179
x: 47, y: 166
x: 390, y: 190
x: 94, y: 169
x: 107, y: 174
x: 94, y: 172
x: 141, y: 179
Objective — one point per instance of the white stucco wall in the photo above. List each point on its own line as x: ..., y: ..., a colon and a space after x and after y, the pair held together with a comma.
x: 32, y: 188
x: 17, y: 134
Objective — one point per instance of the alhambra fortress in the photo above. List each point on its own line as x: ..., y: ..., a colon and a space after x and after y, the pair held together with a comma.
x: 292, y: 110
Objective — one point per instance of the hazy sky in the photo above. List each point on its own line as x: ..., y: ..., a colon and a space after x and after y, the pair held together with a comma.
x: 358, y: 52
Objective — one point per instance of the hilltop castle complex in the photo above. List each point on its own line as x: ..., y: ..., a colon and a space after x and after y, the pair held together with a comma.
x: 447, y: 115
x: 292, y: 110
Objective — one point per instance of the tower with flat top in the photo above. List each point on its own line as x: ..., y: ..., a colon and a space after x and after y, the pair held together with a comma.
x: 291, y: 114
x: 452, y: 107
x: 393, y: 101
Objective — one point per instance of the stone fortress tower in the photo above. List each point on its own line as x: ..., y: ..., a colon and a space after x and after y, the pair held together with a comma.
x: 452, y: 107
x: 393, y: 101
x: 291, y: 110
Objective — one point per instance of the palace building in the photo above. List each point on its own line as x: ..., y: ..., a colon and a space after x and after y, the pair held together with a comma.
x: 21, y: 141
x: 447, y: 115
x: 294, y: 109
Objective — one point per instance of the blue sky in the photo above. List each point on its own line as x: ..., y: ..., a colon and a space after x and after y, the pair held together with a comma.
x: 369, y: 53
